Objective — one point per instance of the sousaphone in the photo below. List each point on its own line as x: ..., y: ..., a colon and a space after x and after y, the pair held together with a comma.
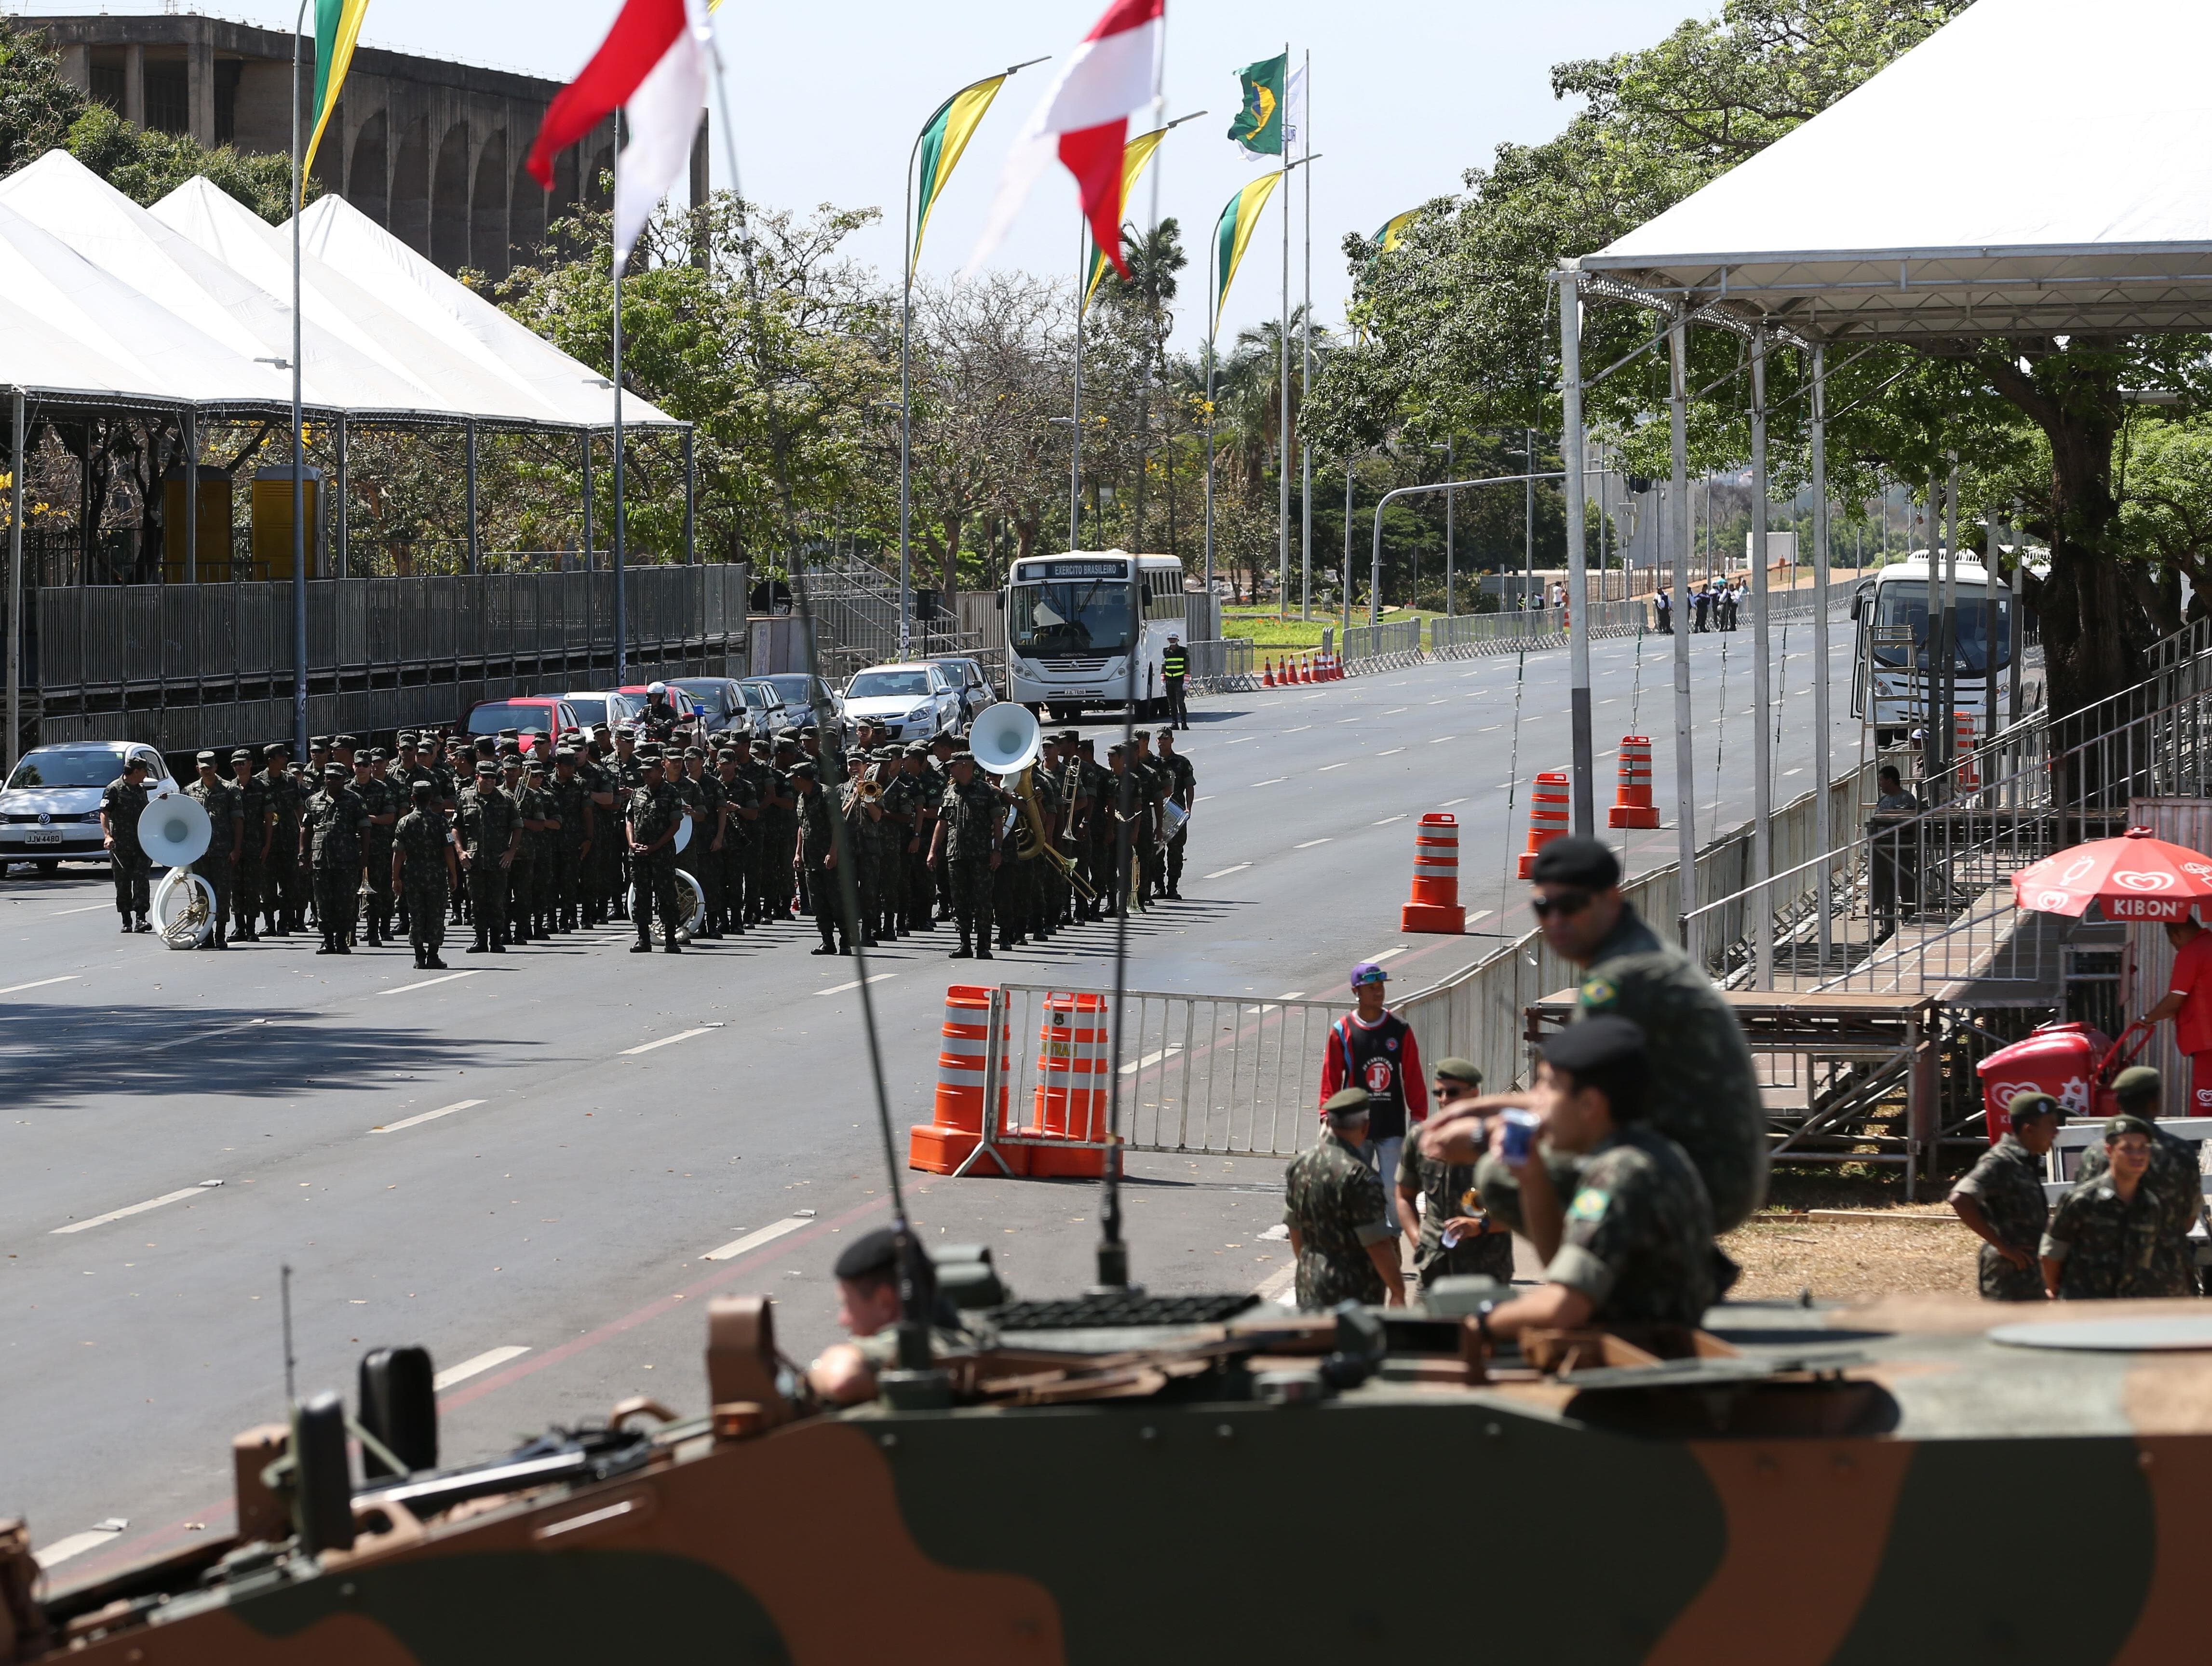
x: 174, y: 832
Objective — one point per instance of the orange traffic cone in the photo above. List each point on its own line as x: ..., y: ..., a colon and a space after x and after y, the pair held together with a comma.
x: 1969, y: 775
x: 1632, y: 797
x: 1547, y: 815
x: 1268, y: 681
x: 956, y: 1127
x: 1305, y: 668
x: 1434, y: 905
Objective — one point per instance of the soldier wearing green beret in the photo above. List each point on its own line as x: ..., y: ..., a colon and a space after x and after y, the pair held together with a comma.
x: 2001, y: 1201
x: 1333, y: 1203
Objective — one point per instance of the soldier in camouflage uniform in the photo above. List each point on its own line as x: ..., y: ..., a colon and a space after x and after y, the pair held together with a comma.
x: 490, y: 825
x: 1085, y: 786
x: 120, y: 808
x: 1048, y: 890
x: 1705, y: 1095
x: 734, y: 859
x: 816, y: 851
x: 2001, y: 1201
x: 940, y: 767
x: 2109, y: 1237
x: 332, y: 827
x: 594, y: 771
x: 927, y: 790
x: 1480, y: 1246
x: 1633, y: 1244
x: 1183, y: 790
x: 902, y: 807
x: 522, y: 876
x: 784, y: 888
x: 966, y: 846
x: 423, y: 872
x: 1012, y: 887
x: 702, y: 858
x: 257, y: 821
x: 862, y: 817
x: 2174, y: 1170
x: 1333, y: 1204
x: 225, y: 813
x: 573, y: 835
x: 536, y: 885
x: 280, y: 884
x: 1153, y: 782
x: 656, y: 808
x: 381, y: 799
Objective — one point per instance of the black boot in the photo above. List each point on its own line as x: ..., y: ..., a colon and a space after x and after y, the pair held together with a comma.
x: 482, y: 945
x: 127, y: 927
x: 964, y: 952
x: 668, y: 944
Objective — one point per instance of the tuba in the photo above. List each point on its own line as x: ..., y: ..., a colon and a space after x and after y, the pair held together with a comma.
x: 174, y: 831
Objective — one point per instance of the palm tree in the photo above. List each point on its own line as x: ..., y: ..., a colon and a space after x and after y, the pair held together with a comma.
x: 1153, y: 259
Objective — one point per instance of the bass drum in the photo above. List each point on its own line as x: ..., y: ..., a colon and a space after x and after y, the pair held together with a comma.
x: 689, y: 898
x: 184, y: 909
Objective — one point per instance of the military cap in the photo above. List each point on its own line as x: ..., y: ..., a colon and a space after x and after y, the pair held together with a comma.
x: 564, y: 755
x: 334, y: 772
x: 2032, y: 1102
x: 1585, y: 864
x: 318, y: 743
x: 536, y: 767
x: 694, y: 752
x: 919, y: 748
x: 725, y: 755
x: 205, y: 758
x: 422, y: 789
x: 787, y: 736
x: 1459, y: 1070
x: 650, y: 753
x: 510, y: 734
x: 1070, y: 738
x: 276, y: 749
x: 885, y: 755
x: 1606, y: 1042
x: 873, y: 1255
x: 803, y: 767
x: 361, y: 761
x: 1085, y: 744
x: 345, y: 740
x: 1346, y: 1102
x: 378, y: 755
x: 134, y: 764
x: 2115, y: 1126
x: 405, y: 737
x: 939, y: 740
x: 2138, y: 1081
x: 242, y: 756
x: 760, y: 749
x: 486, y: 767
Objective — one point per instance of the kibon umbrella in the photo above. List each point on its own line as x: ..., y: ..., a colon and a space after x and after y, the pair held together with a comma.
x: 2137, y: 876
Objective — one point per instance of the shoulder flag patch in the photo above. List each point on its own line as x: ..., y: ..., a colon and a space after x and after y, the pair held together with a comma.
x: 1598, y: 992
x: 1589, y: 1205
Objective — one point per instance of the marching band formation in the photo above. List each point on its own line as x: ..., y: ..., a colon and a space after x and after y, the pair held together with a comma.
x: 524, y: 837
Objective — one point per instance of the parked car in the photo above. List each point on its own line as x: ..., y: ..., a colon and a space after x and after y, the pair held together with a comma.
x: 795, y: 693
x: 593, y: 707
x: 763, y: 705
x: 50, y: 808
x: 914, y: 700
x: 548, y: 714
x: 681, y: 701
x: 720, y: 704
x: 973, y: 682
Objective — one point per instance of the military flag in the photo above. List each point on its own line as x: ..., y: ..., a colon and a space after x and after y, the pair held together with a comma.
x: 338, y: 26
x: 1259, y: 124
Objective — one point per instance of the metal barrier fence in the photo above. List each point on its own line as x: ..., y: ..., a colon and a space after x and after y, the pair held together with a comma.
x: 1369, y: 648
x: 1220, y: 667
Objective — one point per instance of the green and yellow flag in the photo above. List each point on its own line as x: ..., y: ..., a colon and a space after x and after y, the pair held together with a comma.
x: 1234, y: 232
x: 1393, y: 231
x: 1259, y: 124
x: 1134, y: 155
x: 943, y: 136
x: 337, y: 26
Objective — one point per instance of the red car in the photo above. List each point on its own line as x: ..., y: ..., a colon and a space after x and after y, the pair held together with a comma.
x: 547, y: 715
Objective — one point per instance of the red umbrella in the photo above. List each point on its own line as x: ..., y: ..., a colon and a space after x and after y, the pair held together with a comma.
x: 2136, y: 876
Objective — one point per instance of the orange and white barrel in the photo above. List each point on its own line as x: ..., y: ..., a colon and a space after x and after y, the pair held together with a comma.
x: 1547, y: 815
x: 1631, y: 795
x: 1434, y: 905
x: 964, y: 1059
x: 1072, y: 1066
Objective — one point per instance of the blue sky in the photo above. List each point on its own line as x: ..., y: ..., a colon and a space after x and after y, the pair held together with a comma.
x: 826, y: 98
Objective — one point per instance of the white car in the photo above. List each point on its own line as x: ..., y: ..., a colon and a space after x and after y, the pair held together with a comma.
x: 972, y: 683
x: 916, y: 701
x: 50, y: 808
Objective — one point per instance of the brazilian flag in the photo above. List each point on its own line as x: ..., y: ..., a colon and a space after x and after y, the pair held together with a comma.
x: 943, y: 136
x: 338, y: 26
x: 1259, y: 124
x: 1393, y: 232
x: 1134, y: 155
x: 1232, y: 233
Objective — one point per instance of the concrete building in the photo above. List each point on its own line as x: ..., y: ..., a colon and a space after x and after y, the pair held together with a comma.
x: 431, y: 150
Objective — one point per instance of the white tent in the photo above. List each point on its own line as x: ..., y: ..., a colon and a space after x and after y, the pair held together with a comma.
x: 342, y: 237
x: 2036, y: 167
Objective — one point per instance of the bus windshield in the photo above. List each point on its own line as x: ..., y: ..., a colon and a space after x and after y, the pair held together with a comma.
x: 1068, y: 617
x: 1902, y: 604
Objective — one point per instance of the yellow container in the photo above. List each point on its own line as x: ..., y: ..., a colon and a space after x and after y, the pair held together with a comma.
x: 214, y: 504
x: 272, y: 521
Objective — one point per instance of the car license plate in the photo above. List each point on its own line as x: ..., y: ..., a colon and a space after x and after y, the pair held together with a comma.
x: 45, y: 835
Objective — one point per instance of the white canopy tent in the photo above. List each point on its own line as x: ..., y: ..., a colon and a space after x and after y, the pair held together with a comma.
x: 2034, y: 168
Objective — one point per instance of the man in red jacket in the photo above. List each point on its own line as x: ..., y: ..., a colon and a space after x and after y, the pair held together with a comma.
x: 1374, y: 1049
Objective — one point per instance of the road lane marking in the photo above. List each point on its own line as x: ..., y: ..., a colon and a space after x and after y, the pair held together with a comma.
x: 137, y: 1209
x: 1394, y: 710
x: 752, y: 1241
x: 1340, y: 720
x: 1448, y: 803
x: 1480, y: 913
x: 475, y: 1367
x: 1224, y: 873
x: 1240, y: 740
x: 1438, y: 740
x: 1386, y: 954
x: 1386, y: 821
x: 1310, y: 843
x: 425, y: 1116
x: 1394, y: 751
x: 12, y: 988
x: 1301, y: 729
x: 836, y: 990
x: 1326, y: 767
x: 403, y: 988
x: 669, y: 1041
x: 1150, y: 1060
x: 1272, y: 781
x: 76, y: 1545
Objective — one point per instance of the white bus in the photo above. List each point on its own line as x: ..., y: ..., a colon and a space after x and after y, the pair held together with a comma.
x: 1074, y: 622
x: 1890, y: 671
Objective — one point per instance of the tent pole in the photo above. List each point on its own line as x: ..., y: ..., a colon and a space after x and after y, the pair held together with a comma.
x: 476, y: 549
x: 1762, y: 734
x: 587, y: 500
x: 1823, y: 833
x: 691, y: 501
x: 192, y: 496
x: 15, y: 581
x: 346, y: 526
x: 1570, y: 441
x: 1685, y: 791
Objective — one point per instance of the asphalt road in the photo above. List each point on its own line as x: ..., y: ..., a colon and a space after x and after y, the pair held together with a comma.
x: 527, y: 1163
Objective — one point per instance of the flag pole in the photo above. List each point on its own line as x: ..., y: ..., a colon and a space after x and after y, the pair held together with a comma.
x: 621, y: 600
x: 299, y: 472
x: 1075, y: 421
x: 906, y: 408
x: 1213, y: 322
x: 1283, y: 357
x: 1305, y: 365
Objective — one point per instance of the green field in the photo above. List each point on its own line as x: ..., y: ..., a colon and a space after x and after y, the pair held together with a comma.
x: 1264, y: 631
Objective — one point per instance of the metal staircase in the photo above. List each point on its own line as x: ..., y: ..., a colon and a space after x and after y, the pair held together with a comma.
x: 856, y: 614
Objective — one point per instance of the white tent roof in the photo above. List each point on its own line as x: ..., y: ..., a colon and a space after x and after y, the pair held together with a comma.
x: 190, y: 302
x: 2036, y: 167
x: 342, y: 237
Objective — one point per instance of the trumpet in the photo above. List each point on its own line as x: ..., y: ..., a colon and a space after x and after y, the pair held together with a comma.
x: 871, y: 789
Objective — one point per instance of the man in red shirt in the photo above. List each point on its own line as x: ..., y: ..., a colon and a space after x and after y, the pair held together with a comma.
x: 1375, y: 1048
x: 2188, y: 1003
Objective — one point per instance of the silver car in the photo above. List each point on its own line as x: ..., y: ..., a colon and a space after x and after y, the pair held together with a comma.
x: 50, y: 808
x: 911, y: 701
x: 795, y: 694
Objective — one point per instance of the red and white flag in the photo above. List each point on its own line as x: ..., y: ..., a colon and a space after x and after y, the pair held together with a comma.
x: 654, y: 61
x: 1085, y: 119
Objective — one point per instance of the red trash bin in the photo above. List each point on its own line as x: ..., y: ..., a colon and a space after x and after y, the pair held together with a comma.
x: 2062, y: 1060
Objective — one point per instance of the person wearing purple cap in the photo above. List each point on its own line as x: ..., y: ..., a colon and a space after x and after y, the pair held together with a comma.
x: 1374, y: 1049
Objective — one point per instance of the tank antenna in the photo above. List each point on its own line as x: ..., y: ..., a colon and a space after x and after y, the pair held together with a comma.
x: 1113, y: 1253
x: 285, y: 1286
